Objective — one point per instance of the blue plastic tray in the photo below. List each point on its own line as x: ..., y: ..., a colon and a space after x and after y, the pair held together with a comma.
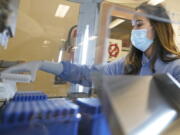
x: 49, y: 117
x: 93, y: 121
x: 29, y: 96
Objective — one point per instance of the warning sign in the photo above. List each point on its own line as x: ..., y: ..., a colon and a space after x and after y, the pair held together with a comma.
x: 114, y: 49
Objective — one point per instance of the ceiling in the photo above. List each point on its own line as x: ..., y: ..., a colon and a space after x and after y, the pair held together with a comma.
x: 121, y: 31
x: 36, y: 20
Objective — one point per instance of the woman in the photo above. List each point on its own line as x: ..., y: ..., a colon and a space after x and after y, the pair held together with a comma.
x: 153, y: 51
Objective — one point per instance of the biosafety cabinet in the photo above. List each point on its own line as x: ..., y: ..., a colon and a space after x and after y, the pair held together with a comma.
x: 83, y: 32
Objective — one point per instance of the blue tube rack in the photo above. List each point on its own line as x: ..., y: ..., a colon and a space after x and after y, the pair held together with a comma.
x: 51, y: 117
x: 29, y: 96
x: 93, y: 121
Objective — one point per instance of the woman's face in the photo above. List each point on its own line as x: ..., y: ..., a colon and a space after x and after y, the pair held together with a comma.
x: 141, y: 22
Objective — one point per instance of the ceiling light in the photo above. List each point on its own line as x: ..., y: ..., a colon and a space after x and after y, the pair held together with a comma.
x: 62, y: 10
x: 155, y: 2
x: 46, y: 42
x: 115, y: 23
x: 63, y: 40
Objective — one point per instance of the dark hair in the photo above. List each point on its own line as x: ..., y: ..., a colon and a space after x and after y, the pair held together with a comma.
x: 4, y: 11
x: 163, y: 45
x: 68, y: 44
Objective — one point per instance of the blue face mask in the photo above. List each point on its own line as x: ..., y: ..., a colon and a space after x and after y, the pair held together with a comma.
x: 139, y: 39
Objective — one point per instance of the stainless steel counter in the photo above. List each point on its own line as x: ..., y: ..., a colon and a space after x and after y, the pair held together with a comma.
x: 140, y: 105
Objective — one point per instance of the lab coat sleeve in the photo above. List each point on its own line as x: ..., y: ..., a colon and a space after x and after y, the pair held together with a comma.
x: 176, y: 72
x: 81, y: 74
